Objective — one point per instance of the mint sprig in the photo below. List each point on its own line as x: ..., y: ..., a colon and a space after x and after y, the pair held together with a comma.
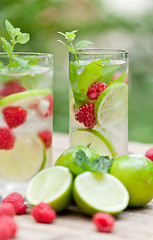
x: 70, y: 36
x: 17, y: 37
x: 101, y: 164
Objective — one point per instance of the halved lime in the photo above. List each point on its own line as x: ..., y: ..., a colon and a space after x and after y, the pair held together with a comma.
x: 96, y: 140
x: 111, y: 106
x: 25, y: 159
x: 53, y: 186
x: 22, y: 95
x: 96, y: 192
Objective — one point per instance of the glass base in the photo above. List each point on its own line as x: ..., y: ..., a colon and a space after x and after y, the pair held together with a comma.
x: 10, y: 187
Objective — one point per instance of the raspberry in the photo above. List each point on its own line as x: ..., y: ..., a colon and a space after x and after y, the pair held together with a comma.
x: 104, y: 222
x: 46, y: 137
x: 85, y: 115
x: 18, y: 202
x: 149, y: 154
x: 11, y: 87
x: 95, y: 90
x: 7, y: 209
x: 4, y: 231
x: 10, y: 224
x: 7, y: 139
x: 14, y: 116
x: 43, y: 213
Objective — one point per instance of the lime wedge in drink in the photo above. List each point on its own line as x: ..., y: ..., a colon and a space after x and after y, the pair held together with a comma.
x: 96, y: 192
x: 111, y: 106
x: 25, y: 159
x: 22, y: 95
x: 53, y: 186
x: 96, y: 140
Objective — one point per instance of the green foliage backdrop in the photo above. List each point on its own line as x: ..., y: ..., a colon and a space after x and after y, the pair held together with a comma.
x: 42, y: 19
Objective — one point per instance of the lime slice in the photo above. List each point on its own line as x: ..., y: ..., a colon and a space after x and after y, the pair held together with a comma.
x: 111, y: 106
x: 22, y: 95
x: 23, y: 161
x: 95, y: 192
x: 96, y: 140
x: 53, y: 186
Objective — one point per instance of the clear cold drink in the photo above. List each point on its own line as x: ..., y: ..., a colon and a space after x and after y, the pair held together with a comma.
x: 26, y: 108
x: 98, y: 100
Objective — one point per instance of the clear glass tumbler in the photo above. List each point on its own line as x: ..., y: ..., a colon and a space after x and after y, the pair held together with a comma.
x: 26, y: 108
x: 98, y: 100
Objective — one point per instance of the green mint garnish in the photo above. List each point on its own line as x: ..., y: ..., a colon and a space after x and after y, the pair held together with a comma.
x: 101, y: 164
x: 16, y: 36
x: 70, y: 36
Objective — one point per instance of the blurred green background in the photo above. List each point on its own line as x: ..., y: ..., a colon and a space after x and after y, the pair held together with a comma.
x: 108, y: 24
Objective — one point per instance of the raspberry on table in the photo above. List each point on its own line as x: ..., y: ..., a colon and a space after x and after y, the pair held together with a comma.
x: 104, y: 222
x: 7, y: 209
x: 4, y: 232
x: 18, y: 202
x: 7, y: 138
x: 46, y: 137
x: 149, y: 154
x: 95, y: 90
x: 11, y: 225
x: 11, y: 87
x: 43, y: 213
x: 85, y: 115
x: 14, y: 116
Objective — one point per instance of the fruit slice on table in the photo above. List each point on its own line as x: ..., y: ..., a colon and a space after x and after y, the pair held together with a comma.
x: 96, y: 140
x: 111, y: 106
x: 96, y: 192
x: 25, y: 159
x: 22, y: 95
x: 53, y: 186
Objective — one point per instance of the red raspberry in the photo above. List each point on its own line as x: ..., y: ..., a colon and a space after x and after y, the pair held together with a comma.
x: 7, y: 139
x: 149, y: 154
x: 43, y: 213
x: 95, y: 90
x: 4, y: 231
x: 104, y: 222
x: 14, y: 116
x: 11, y: 87
x: 18, y: 202
x: 45, y: 107
x: 85, y: 115
x: 10, y: 224
x: 7, y: 209
x: 46, y: 137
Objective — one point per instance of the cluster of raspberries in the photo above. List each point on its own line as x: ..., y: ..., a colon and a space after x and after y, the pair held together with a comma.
x: 13, y: 205
x: 85, y: 114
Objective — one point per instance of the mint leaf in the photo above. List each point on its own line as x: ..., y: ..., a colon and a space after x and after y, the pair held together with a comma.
x: 81, y: 158
x: 70, y: 36
x: 120, y: 79
x: 101, y: 164
x: 6, y: 46
x: 23, y: 38
x: 91, y: 73
x: 82, y: 44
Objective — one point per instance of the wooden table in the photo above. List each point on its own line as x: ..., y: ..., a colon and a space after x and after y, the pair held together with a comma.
x: 73, y: 225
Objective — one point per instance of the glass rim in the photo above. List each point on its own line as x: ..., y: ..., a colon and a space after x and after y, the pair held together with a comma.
x: 100, y: 51
x: 42, y: 55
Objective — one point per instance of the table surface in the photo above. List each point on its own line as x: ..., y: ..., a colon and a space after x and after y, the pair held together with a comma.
x: 72, y: 224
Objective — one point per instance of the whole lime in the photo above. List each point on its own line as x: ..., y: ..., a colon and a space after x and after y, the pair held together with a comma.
x: 67, y: 158
x: 136, y: 173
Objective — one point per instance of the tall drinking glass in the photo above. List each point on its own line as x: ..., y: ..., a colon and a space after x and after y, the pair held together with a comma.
x: 98, y: 100
x: 26, y: 108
